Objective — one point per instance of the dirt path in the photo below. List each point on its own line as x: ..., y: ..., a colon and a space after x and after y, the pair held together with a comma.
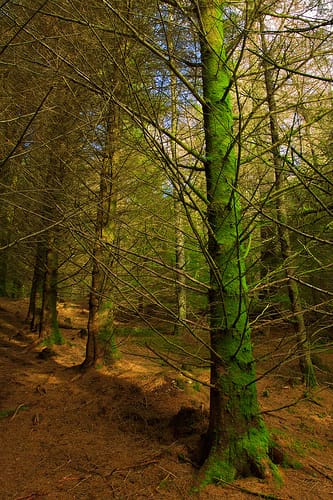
x: 110, y: 434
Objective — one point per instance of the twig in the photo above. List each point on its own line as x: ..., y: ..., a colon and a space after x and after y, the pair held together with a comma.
x: 276, y: 416
x: 183, y: 372
x: 321, y: 472
x: 32, y: 496
x: 167, y: 471
x: 250, y: 492
x: 129, y: 467
x: 63, y: 465
x: 79, y: 482
x: 294, y: 403
x: 322, y: 465
x: 16, y: 411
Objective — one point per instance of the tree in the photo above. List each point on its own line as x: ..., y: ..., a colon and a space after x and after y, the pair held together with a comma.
x: 283, y: 231
x: 280, y: 75
x: 237, y: 441
x: 100, y: 346
x: 177, y: 192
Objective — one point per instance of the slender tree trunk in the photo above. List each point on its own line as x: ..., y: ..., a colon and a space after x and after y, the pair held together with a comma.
x: 267, y: 257
x: 100, y: 342
x: 7, y: 217
x: 181, y: 295
x: 94, y: 354
x: 304, y: 346
x: 33, y: 317
x: 180, y: 268
x: 3, y: 270
x: 237, y: 440
x: 48, y: 327
x: 91, y: 347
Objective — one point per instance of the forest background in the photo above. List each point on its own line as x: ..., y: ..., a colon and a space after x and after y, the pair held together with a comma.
x: 108, y: 197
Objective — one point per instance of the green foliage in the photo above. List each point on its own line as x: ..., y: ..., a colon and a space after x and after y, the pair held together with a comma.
x: 180, y: 383
x: 106, y: 338
x: 142, y: 332
x: 196, y: 386
x: 312, y: 443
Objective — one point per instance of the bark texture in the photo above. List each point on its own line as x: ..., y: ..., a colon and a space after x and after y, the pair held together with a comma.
x: 237, y: 441
x: 303, y: 342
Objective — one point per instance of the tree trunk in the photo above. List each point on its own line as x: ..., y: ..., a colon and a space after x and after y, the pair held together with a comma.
x: 180, y: 268
x: 180, y: 254
x: 91, y: 347
x: 237, y: 440
x: 7, y: 217
x: 3, y: 269
x: 33, y: 316
x: 304, y: 346
x: 49, y: 328
x: 100, y: 342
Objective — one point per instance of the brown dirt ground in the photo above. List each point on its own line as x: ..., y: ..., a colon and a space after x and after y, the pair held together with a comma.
x: 109, y: 434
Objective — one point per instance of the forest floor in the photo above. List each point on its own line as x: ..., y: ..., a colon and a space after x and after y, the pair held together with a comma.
x: 114, y: 433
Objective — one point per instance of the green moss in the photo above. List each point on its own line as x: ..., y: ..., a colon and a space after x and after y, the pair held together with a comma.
x: 106, y: 338
x: 276, y: 431
x: 256, y: 442
x: 164, y: 484
x: 180, y: 384
x: 310, y: 376
x: 9, y: 413
x: 6, y: 413
x: 314, y: 445
x: 196, y: 386
x: 247, y: 455
x: 298, y: 447
x: 276, y: 474
x: 217, y: 470
x: 290, y: 462
x: 303, y: 447
x: 56, y: 337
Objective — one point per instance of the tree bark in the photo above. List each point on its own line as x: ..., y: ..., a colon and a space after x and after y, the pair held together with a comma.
x: 180, y: 252
x: 237, y: 440
x: 33, y: 316
x: 48, y: 327
x: 304, y: 346
x: 100, y: 342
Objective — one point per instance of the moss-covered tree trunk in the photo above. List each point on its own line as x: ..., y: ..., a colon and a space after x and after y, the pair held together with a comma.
x: 237, y: 441
x: 303, y: 341
x: 100, y: 343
